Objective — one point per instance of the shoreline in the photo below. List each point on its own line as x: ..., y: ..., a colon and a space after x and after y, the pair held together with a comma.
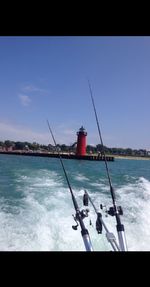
x: 73, y: 156
x: 57, y: 155
x: 131, y: 157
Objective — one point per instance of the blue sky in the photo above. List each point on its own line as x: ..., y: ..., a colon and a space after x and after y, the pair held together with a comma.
x: 46, y: 78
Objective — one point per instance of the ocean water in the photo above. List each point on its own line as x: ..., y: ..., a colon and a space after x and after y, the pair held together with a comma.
x: 36, y: 207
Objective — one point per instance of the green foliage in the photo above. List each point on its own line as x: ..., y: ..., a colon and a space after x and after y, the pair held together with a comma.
x: 8, y: 143
x: 90, y: 149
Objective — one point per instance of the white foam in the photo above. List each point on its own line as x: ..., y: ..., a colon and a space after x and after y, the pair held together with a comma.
x: 81, y: 177
x: 135, y: 200
x: 42, y: 219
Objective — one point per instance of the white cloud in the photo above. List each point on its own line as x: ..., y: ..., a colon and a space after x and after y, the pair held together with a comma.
x: 65, y: 133
x: 20, y: 133
x: 16, y: 132
x: 31, y: 88
x: 25, y: 100
x: 62, y: 133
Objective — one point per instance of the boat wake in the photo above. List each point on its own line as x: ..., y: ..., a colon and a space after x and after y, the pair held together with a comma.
x: 39, y: 217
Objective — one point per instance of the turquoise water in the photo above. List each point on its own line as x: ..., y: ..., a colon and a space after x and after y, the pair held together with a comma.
x: 36, y: 207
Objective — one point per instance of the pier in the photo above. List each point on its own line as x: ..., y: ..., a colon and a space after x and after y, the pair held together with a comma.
x: 63, y: 155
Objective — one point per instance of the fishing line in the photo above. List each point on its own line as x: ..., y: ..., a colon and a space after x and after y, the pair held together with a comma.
x: 79, y: 214
x: 117, y: 211
x: 101, y: 141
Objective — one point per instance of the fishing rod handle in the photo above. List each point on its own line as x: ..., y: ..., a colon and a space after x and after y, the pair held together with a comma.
x: 86, y: 240
x: 122, y: 241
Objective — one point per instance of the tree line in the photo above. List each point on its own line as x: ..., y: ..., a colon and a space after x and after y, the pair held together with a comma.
x: 90, y: 149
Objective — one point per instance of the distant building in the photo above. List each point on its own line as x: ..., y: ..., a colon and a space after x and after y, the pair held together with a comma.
x: 10, y: 148
x: 26, y: 147
x: 148, y: 152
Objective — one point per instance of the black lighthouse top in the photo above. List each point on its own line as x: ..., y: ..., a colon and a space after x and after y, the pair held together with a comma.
x: 82, y: 131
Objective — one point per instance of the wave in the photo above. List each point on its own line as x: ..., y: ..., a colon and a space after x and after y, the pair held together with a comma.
x: 36, y: 214
x: 135, y: 200
x: 81, y: 177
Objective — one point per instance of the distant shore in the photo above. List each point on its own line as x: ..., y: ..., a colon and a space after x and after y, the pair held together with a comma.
x: 132, y: 157
x: 57, y: 155
x: 93, y: 156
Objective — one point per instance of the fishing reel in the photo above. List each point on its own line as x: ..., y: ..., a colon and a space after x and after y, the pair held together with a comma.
x: 99, y: 223
x: 85, y: 199
x: 74, y: 227
x: 83, y: 213
x: 99, y: 215
x: 111, y: 211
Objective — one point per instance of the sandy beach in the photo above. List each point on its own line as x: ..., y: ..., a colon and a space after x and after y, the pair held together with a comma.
x: 132, y: 157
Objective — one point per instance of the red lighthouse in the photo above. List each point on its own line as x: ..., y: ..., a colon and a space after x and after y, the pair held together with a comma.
x: 81, y: 141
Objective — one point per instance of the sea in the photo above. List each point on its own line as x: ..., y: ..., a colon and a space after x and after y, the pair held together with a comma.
x: 37, y: 213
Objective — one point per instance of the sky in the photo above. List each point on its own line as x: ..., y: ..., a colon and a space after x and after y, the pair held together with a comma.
x: 45, y: 77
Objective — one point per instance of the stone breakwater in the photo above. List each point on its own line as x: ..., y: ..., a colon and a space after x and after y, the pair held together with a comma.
x: 63, y: 155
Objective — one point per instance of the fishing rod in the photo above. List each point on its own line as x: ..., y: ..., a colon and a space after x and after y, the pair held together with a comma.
x: 80, y: 215
x: 113, y: 211
x: 100, y: 223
